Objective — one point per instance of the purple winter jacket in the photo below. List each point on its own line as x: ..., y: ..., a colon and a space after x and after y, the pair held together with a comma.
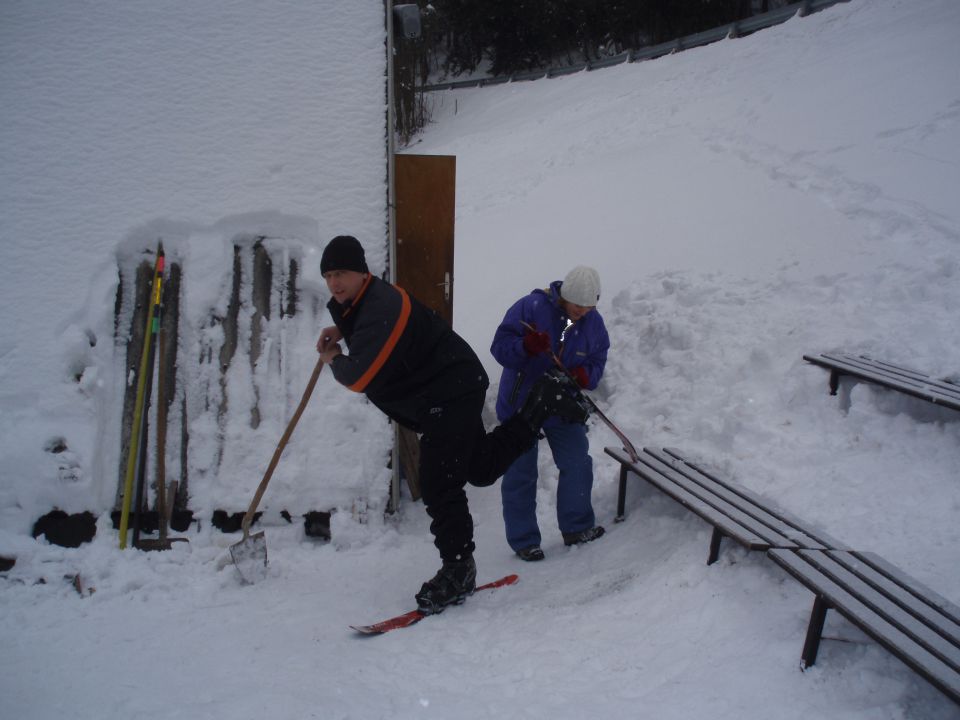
x: 585, y: 344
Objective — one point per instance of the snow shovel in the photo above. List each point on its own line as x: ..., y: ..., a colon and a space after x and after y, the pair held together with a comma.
x: 250, y: 554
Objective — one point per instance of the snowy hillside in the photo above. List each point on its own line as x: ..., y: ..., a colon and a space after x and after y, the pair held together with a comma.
x: 745, y: 203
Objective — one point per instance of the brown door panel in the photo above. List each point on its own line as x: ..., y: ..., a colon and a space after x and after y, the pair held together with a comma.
x: 425, y: 188
x: 425, y: 195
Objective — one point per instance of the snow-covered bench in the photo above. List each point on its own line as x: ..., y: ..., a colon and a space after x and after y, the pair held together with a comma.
x: 911, y: 382
x: 731, y: 509
x: 911, y: 621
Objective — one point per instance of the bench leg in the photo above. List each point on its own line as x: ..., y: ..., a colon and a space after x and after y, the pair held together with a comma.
x: 621, y: 495
x: 834, y: 381
x: 814, y: 631
x: 714, y: 546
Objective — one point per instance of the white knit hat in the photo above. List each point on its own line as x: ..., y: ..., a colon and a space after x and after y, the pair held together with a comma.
x: 581, y: 286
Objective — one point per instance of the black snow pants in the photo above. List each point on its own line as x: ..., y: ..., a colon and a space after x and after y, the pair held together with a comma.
x: 455, y: 449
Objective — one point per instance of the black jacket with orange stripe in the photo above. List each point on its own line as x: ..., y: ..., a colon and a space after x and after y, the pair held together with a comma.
x: 402, y: 355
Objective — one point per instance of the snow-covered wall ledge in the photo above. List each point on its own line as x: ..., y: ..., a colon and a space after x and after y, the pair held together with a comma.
x: 240, y: 321
x: 208, y: 126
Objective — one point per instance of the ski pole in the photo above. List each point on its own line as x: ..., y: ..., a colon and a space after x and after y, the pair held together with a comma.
x: 146, y: 359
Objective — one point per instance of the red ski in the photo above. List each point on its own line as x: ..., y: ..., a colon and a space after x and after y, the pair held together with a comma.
x: 415, y: 616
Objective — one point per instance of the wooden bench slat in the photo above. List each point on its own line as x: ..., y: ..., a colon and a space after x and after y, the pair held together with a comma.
x: 780, y: 520
x: 896, y: 372
x: 741, y: 534
x: 930, y: 597
x: 857, y: 366
x: 714, y: 499
x: 916, y: 604
x: 796, y: 526
x: 886, y: 607
x: 909, y: 382
x: 898, y: 643
x: 869, y: 374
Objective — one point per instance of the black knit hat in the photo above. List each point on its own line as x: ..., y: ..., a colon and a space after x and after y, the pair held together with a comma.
x: 344, y: 252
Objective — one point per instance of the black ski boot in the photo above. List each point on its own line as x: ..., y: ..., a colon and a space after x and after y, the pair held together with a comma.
x: 534, y: 553
x: 554, y: 394
x: 450, y: 586
x: 584, y: 536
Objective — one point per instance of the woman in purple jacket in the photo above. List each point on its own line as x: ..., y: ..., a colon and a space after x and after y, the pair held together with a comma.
x: 560, y: 320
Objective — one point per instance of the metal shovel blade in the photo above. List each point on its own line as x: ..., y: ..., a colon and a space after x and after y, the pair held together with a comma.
x: 250, y: 558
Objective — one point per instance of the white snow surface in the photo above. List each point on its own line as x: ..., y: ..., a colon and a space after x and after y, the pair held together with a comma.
x: 745, y: 203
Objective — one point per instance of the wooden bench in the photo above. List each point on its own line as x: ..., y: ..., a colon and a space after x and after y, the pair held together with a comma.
x: 911, y: 621
x: 731, y: 509
x: 911, y: 382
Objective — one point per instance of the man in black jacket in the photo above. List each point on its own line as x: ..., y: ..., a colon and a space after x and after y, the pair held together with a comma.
x: 411, y: 364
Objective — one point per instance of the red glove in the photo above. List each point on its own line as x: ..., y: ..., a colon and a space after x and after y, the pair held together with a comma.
x: 581, y: 376
x: 536, y: 342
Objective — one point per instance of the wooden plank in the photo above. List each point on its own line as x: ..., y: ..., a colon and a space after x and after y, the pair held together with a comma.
x: 939, y: 383
x: 910, y: 378
x: 777, y: 527
x: 938, y: 673
x: 716, y: 496
x: 714, y: 500
x: 793, y: 527
x: 946, y: 387
x: 850, y: 366
x: 886, y: 607
x: 915, y: 586
x: 744, y: 535
x: 739, y: 496
x: 908, y: 382
x: 410, y: 459
x: 912, y: 601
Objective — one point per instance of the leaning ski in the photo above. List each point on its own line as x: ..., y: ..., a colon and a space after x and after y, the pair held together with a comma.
x: 627, y: 445
x: 415, y: 616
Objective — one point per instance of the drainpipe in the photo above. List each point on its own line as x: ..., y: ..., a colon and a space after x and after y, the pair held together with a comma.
x: 394, y: 503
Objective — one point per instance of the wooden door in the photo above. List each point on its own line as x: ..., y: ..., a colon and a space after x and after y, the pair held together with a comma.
x: 425, y: 195
x: 425, y: 188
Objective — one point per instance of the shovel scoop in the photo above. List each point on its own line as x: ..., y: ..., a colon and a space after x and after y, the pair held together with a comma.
x: 250, y: 556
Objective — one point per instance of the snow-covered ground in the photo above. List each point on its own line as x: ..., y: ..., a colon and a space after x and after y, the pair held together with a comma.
x: 745, y: 203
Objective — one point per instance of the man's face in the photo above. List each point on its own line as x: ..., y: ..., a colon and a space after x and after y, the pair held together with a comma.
x: 344, y: 285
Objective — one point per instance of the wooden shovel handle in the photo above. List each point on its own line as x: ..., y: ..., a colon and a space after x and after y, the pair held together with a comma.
x: 161, y: 473
x: 248, y: 518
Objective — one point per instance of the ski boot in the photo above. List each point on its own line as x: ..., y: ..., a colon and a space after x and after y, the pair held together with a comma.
x: 450, y: 586
x: 584, y: 536
x: 554, y: 394
x: 534, y: 553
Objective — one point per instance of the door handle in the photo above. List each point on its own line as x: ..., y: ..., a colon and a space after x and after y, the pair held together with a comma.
x: 446, y: 286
